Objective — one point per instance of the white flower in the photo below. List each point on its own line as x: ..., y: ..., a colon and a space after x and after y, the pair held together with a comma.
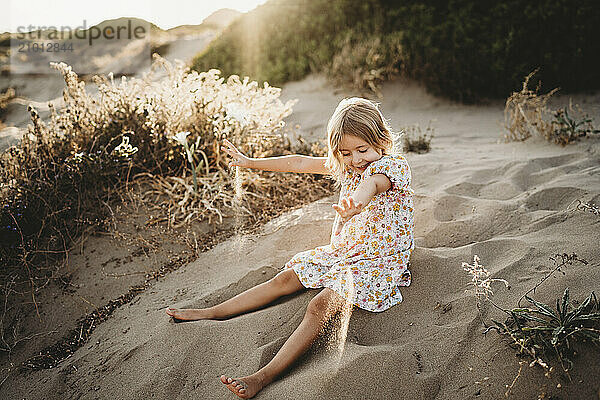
x: 78, y: 157
x: 124, y: 149
x: 481, y: 280
x: 237, y: 112
x: 181, y: 137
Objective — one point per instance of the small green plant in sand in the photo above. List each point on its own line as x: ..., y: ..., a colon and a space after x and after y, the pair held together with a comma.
x: 538, y: 331
x: 567, y: 129
x: 526, y: 114
x: 415, y: 140
x: 542, y: 330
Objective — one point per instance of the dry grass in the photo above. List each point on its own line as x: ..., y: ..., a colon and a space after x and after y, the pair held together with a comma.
x: 5, y: 98
x: 415, y: 140
x: 127, y: 133
x: 527, y: 114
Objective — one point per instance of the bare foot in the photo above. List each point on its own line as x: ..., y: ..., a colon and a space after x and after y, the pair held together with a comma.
x: 244, y: 388
x: 190, y: 314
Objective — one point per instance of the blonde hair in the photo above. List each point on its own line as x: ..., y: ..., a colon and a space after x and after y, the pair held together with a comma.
x: 358, y: 117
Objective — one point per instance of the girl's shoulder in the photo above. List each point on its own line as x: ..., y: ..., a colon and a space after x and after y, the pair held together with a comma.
x: 389, y: 162
x: 395, y: 157
x: 394, y: 166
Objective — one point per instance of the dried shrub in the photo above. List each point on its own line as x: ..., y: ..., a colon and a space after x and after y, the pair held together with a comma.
x: 5, y: 98
x: 481, y: 280
x: 415, y: 140
x: 56, y: 182
x: 585, y: 206
x: 526, y: 114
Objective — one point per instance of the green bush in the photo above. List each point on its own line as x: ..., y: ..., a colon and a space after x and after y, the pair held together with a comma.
x: 464, y: 49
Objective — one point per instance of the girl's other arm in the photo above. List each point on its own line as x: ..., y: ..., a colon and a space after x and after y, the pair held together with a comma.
x: 290, y: 163
x: 370, y: 187
x: 363, y: 194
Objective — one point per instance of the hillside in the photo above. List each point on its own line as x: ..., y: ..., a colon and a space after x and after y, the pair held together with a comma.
x: 465, y: 50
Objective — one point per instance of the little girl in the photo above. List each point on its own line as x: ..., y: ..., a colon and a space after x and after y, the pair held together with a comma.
x: 371, y: 240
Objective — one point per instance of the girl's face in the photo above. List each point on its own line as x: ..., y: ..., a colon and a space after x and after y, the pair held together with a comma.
x: 358, y: 154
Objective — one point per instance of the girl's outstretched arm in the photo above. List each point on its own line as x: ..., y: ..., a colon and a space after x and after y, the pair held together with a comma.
x: 290, y: 163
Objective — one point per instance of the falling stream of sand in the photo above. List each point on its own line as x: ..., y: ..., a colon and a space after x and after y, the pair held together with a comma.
x: 337, y: 341
x: 237, y: 202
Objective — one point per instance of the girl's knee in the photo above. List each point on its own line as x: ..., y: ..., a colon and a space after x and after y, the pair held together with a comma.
x: 325, y: 304
x: 286, y: 280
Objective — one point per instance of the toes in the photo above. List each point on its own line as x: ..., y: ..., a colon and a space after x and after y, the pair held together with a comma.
x: 238, y: 387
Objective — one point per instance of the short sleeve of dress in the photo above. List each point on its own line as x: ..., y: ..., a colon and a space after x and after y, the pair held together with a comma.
x: 395, y: 167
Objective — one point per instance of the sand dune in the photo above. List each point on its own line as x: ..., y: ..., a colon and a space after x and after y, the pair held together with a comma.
x: 509, y: 203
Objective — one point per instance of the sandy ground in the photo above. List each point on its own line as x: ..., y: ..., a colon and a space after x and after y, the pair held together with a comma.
x: 508, y: 203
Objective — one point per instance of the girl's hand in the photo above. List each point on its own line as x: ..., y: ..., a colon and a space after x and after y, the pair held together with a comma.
x: 239, y: 159
x: 347, y: 209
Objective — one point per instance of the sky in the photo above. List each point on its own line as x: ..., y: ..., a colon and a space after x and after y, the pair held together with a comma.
x: 164, y: 13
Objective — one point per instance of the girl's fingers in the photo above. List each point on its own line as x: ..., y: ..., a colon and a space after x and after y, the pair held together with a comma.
x: 339, y: 210
x: 229, y: 147
x: 232, y: 152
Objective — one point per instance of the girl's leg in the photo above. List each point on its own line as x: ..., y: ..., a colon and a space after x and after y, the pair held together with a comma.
x: 286, y: 282
x: 320, y: 309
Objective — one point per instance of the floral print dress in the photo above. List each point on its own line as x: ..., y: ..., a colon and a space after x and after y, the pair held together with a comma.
x: 367, y: 261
